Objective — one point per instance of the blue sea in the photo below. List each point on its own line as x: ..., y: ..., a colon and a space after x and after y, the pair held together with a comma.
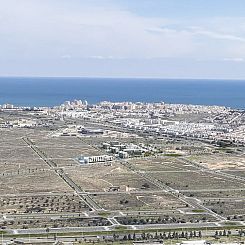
x: 54, y: 91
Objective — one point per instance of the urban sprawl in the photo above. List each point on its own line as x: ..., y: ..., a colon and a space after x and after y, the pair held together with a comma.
x: 122, y: 173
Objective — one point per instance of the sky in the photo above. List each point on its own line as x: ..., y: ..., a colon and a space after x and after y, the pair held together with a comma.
x: 123, y: 38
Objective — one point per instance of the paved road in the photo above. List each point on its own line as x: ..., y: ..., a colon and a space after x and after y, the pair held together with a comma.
x: 60, y: 172
x: 192, y: 202
x: 146, y: 227
x: 195, y: 203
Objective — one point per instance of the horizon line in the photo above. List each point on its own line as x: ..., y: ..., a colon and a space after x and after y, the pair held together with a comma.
x: 125, y: 77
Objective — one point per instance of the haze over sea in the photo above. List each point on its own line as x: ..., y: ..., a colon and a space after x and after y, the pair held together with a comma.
x: 54, y: 91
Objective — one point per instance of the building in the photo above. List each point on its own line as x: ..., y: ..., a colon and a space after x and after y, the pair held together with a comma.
x: 94, y: 159
x: 8, y: 106
x: 124, y: 150
x: 114, y: 188
x: 106, y: 146
x: 123, y: 154
x: 89, y: 131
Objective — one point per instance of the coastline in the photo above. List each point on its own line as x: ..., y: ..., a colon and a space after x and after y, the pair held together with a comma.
x: 42, y: 91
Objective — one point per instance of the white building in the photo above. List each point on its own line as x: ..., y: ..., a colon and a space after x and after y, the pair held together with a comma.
x: 94, y: 159
x: 123, y: 154
x: 8, y: 106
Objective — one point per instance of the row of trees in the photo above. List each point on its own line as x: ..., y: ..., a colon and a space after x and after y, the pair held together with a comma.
x: 159, y: 220
x: 158, y: 236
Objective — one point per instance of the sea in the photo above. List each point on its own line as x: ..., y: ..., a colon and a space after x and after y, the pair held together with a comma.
x: 29, y: 91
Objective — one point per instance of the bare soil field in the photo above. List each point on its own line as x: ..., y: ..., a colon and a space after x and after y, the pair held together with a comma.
x: 196, y: 180
x: 220, y: 161
x: 98, y: 177
x: 161, y: 164
x: 139, y: 202
x: 39, y: 182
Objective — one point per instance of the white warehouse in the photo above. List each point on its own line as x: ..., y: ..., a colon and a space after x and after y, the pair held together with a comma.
x: 94, y: 159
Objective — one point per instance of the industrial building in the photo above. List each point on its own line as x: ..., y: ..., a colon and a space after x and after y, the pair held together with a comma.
x: 94, y: 159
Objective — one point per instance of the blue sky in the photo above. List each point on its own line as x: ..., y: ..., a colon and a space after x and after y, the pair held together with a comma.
x: 123, y: 38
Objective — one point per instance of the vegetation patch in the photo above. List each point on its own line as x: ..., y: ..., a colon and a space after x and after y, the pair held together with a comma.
x: 172, y: 155
x: 198, y: 211
x: 121, y: 228
x: 104, y: 214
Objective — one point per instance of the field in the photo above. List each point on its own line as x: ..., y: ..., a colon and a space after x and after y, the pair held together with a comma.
x: 43, y: 184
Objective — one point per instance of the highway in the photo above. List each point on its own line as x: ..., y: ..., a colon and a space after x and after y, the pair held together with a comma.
x: 145, y: 227
x: 69, y: 239
x: 113, y: 228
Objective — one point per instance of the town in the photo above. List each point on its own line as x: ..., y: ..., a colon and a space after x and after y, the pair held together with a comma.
x: 122, y: 172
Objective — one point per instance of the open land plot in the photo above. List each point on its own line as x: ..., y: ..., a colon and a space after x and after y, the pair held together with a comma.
x: 239, y: 173
x: 64, y: 141
x: 128, y: 181
x: 161, y: 164
x: 65, y: 147
x: 98, y: 177
x: 140, y: 202
x: 15, y: 134
x: 92, y: 177
x: 42, y: 204
x: 196, y: 180
x: 65, y: 162
x: 118, y: 201
x: 38, y: 182
x: 232, y: 209
x: 16, y: 153
x: 220, y: 161
x: 21, y: 165
x: 12, y: 133
x: 11, y: 137
x: 218, y: 194
x: 62, y: 152
x: 7, y: 140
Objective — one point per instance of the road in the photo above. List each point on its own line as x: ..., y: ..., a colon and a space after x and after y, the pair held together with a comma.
x: 54, y: 239
x: 145, y: 227
x: 192, y: 202
x: 60, y: 172
x: 86, y: 197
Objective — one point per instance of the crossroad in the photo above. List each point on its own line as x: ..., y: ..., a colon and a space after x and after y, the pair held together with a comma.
x: 60, y: 172
x: 86, y: 197
x: 192, y: 202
